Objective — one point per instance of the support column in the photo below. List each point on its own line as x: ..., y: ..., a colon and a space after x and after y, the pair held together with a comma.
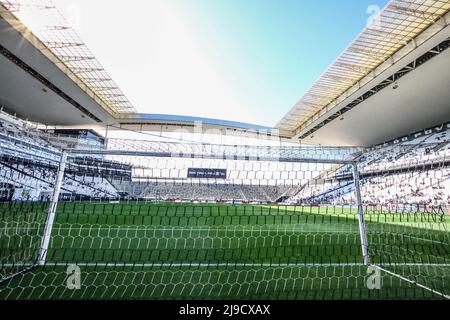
x: 105, y: 145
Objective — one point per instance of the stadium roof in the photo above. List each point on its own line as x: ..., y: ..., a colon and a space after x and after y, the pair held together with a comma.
x: 59, y: 73
x: 142, y: 117
x: 386, y: 40
x: 59, y: 37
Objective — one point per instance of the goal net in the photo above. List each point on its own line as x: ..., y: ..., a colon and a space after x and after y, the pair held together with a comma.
x: 155, y: 220
x: 27, y: 183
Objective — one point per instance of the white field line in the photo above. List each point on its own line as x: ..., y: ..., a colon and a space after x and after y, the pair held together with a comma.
x: 414, y: 282
x: 182, y: 229
x: 423, y: 239
x: 215, y: 265
x: 188, y: 265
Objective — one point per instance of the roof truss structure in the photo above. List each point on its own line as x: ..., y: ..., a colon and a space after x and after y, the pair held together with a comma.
x: 392, y: 31
x: 48, y: 24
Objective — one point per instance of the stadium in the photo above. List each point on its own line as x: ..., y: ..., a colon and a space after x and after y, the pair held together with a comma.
x: 346, y: 197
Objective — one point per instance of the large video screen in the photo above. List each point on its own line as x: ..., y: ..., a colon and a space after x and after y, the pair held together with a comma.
x: 207, y: 173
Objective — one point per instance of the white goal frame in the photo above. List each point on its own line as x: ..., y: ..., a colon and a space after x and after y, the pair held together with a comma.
x: 61, y: 169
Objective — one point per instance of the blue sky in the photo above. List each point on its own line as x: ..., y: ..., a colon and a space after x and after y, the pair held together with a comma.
x: 242, y: 60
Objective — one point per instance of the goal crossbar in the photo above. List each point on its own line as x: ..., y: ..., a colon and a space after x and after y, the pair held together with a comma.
x: 206, y: 156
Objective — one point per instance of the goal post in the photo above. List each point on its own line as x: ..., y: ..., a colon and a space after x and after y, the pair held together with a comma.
x: 27, y: 209
x: 52, y: 209
x: 361, y: 221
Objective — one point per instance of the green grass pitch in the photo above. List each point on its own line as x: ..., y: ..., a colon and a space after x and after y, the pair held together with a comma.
x: 142, y: 250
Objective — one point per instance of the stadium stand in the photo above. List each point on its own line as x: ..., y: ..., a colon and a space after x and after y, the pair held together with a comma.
x: 402, y: 172
x: 30, y: 161
x: 213, y: 192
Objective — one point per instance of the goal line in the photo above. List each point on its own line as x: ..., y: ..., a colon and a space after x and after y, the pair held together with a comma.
x: 222, y: 264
